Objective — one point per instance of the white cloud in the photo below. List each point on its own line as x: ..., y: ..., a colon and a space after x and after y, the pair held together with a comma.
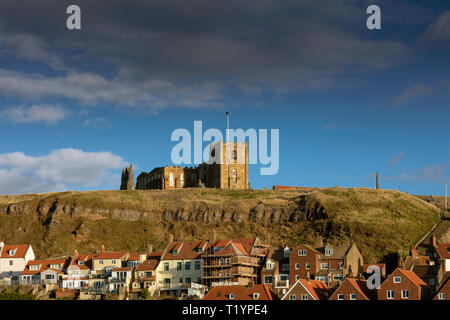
x: 330, y: 126
x: 412, y: 92
x: 93, y: 89
x: 49, y: 114
x: 438, y: 31
x: 97, y: 123
x: 429, y: 174
x: 60, y: 170
x: 396, y: 158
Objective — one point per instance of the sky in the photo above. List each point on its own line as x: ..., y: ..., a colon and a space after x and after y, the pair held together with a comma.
x: 77, y: 106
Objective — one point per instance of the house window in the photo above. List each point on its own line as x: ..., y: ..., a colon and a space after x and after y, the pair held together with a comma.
x: 304, y: 297
x: 441, y: 296
x: 181, y: 280
x: 324, y: 266
x: 11, y: 262
x: 100, y: 261
x: 268, y: 279
x: 269, y: 265
x: 285, y: 267
x: 197, y: 265
x: 171, y: 179
x: 166, y: 266
x: 340, y: 297
x: 255, y: 295
x: 231, y: 296
x: 397, y: 279
x: 341, y: 265
x: 307, y: 266
x: 188, y: 280
x: 328, y: 251
x: 114, y: 262
x: 292, y: 297
x: 353, y: 296
x: 286, y: 252
x: 405, y: 294
x: 390, y: 294
x: 337, y: 277
x: 179, y: 266
x: 297, y: 266
x: 302, y: 252
x: 187, y: 266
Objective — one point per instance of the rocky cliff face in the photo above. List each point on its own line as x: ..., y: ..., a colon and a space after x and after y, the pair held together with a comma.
x: 379, y: 221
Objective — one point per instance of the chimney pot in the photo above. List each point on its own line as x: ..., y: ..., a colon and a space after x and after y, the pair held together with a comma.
x: 102, y: 248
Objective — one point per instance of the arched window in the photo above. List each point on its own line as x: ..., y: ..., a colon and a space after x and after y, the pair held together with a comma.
x: 182, y: 180
x: 171, y: 179
x: 234, y: 175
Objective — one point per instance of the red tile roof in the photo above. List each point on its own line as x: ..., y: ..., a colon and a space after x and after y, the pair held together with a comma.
x: 123, y: 269
x: 443, y: 250
x: 185, y: 250
x: 361, y: 286
x: 240, y: 293
x: 318, y: 289
x: 379, y: 265
x: 20, y: 250
x: 110, y: 255
x: 147, y: 265
x: 412, y: 277
x: 275, y: 187
x: 44, y: 265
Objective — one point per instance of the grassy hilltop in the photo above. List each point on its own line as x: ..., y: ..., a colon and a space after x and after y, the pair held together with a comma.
x: 381, y: 222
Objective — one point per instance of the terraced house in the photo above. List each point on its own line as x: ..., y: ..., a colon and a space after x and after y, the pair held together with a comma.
x: 233, y: 261
x: 327, y: 263
x: 180, y: 266
x: 13, y: 259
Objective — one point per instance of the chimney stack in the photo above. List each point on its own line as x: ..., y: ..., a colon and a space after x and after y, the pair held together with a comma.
x: 319, y: 241
x: 433, y: 241
x: 148, y: 248
x: 75, y: 253
x: 102, y: 248
x: 171, y: 238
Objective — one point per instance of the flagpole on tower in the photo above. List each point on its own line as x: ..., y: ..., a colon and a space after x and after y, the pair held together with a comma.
x: 228, y: 125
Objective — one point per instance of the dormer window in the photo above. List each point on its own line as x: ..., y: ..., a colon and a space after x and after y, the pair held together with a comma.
x: 256, y: 295
x: 286, y: 252
x: 35, y: 267
x: 175, y: 252
x: 328, y: 251
x: 55, y: 266
x: 269, y: 265
x: 81, y: 262
x: 231, y: 296
x: 12, y: 253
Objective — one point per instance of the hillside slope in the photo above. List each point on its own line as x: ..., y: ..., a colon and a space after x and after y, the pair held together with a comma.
x: 381, y: 222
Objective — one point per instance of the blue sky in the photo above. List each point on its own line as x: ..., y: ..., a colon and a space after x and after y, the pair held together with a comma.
x: 77, y: 106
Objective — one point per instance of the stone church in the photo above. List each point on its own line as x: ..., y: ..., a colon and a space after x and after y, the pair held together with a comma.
x: 227, y: 168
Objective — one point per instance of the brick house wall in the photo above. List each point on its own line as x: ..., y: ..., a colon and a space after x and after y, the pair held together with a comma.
x: 415, y: 292
x: 295, y: 260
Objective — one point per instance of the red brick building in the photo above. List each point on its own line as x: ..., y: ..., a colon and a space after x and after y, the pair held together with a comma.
x: 443, y: 293
x: 328, y: 263
x: 354, y: 289
x: 403, y: 285
x: 249, y: 292
x: 304, y: 289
